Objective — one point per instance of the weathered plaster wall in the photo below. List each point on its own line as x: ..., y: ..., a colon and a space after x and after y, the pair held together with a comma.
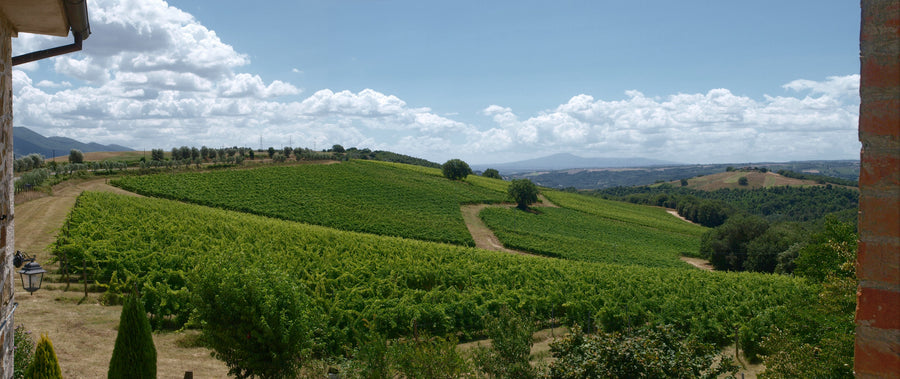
x: 878, y: 299
x: 7, y: 246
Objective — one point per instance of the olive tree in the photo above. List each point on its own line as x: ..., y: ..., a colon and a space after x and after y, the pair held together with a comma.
x: 76, y: 156
x: 523, y: 192
x: 456, y: 169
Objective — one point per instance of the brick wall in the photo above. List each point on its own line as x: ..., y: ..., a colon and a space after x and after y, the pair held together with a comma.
x: 7, y: 247
x: 878, y: 299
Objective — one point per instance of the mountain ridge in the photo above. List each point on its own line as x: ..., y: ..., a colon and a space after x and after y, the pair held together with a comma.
x: 27, y: 141
x: 565, y: 161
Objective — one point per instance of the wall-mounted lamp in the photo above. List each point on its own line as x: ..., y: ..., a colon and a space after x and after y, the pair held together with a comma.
x: 32, y: 274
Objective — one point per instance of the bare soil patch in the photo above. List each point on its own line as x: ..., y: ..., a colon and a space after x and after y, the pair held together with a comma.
x: 84, y: 334
x: 702, y: 264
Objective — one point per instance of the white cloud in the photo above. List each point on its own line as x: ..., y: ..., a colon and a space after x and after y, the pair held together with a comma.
x: 152, y: 76
x: 712, y: 127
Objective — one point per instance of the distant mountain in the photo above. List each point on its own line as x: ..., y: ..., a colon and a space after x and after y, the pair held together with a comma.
x: 565, y: 161
x: 27, y: 141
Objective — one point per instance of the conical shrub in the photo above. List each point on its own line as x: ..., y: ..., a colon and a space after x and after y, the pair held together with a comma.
x: 134, y: 355
x: 45, y: 365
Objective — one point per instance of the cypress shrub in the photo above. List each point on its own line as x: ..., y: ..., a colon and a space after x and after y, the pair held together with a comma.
x: 134, y: 355
x: 45, y: 365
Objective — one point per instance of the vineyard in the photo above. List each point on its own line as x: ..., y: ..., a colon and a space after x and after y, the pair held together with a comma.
x: 337, y: 285
x: 570, y: 234
x: 373, y: 197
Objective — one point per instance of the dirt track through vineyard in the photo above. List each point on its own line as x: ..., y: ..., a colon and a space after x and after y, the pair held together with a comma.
x: 483, y: 236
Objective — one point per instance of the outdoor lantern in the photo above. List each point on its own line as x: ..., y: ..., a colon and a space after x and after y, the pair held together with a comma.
x: 32, y: 274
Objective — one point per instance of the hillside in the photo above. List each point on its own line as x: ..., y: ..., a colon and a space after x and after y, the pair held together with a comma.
x: 755, y: 179
x: 29, y: 142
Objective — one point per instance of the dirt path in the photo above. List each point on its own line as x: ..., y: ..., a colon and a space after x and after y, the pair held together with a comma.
x: 483, y: 236
x: 702, y: 264
x: 675, y: 213
x: 83, y: 334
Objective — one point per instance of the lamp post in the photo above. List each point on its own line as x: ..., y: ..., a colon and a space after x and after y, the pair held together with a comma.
x: 32, y: 274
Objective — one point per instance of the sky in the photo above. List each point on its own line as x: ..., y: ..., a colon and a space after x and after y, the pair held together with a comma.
x: 484, y: 81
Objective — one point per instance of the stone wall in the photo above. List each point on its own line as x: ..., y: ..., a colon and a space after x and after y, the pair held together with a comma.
x: 7, y: 245
x: 878, y: 299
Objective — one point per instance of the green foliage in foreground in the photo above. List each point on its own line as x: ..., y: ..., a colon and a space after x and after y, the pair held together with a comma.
x: 23, y: 347
x: 565, y: 233
x: 646, y: 352
x: 45, y: 365
x: 348, y: 283
x: 134, y: 355
x: 362, y: 196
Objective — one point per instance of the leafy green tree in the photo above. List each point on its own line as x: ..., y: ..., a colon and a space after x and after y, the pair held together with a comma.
x: 511, y: 340
x: 337, y: 148
x: 523, y: 192
x: 743, y: 181
x: 45, y: 365
x: 134, y: 355
x: 271, y: 152
x: 491, y: 173
x: 726, y: 245
x: 829, y: 251
x: 456, y: 169
x: 684, y: 182
x: 763, y: 251
x: 76, y: 156
x: 255, y: 319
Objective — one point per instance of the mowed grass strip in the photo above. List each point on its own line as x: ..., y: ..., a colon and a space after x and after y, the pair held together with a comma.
x: 361, y: 196
x: 570, y: 234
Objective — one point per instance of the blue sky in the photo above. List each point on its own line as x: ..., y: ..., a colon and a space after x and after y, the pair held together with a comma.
x: 691, y: 81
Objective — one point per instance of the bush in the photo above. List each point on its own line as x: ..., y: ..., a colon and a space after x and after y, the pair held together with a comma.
x: 134, y: 355
x: 511, y: 340
x: 424, y: 357
x: 456, y: 169
x: 648, y: 352
x: 523, y: 192
x: 24, y: 351
x: 45, y: 365
x: 743, y: 181
x: 253, y: 317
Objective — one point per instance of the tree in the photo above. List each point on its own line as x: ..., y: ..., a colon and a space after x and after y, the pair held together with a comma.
x: 726, y: 245
x: 271, y: 152
x: 134, y: 355
x: 743, y: 181
x: 684, y: 182
x: 511, y: 340
x: 523, y: 192
x: 76, y: 156
x: 763, y: 251
x: 45, y: 364
x: 491, y: 173
x: 253, y: 318
x: 456, y: 169
x: 337, y: 148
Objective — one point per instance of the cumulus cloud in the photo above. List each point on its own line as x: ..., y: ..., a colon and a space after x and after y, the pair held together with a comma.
x: 152, y: 75
x: 704, y: 127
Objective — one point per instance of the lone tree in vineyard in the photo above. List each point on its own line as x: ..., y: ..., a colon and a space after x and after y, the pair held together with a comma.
x: 456, y: 169
x: 524, y: 192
